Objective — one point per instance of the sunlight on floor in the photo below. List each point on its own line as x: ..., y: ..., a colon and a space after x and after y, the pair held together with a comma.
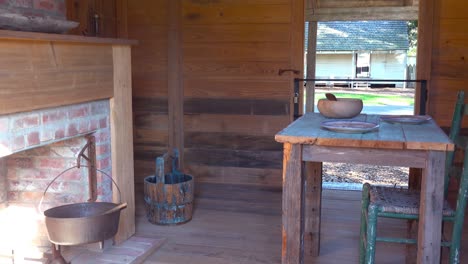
x: 359, y: 173
x: 4, y: 151
x: 19, y: 229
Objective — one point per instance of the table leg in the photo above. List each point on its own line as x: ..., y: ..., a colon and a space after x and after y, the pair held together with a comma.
x: 313, y: 204
x: 292, y: 252
x: 430, y: 213
x: 414, y: 183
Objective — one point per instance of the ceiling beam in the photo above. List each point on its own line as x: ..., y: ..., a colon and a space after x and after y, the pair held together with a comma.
x: 363, y: 13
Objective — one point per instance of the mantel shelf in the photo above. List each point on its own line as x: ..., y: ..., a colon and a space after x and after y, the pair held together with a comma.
x: 35, y: 36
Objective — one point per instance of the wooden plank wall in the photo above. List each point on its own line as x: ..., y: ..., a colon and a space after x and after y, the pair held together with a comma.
x: 148, y: 23
x: 83, y: 11
x: 234, y: 101
x: 449, y: 68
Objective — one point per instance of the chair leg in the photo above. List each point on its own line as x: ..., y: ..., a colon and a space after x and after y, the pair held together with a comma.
x: 371, y: 234
x: 457, y: 233
x: 460, y: 213
x: 362, y: 235
x: 456, y: 240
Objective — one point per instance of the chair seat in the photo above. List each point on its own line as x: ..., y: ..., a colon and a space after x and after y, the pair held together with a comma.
x: 397, y: 200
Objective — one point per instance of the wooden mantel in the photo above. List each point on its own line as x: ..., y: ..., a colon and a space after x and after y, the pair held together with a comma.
x: 40, y: 70
x: 20, y: 35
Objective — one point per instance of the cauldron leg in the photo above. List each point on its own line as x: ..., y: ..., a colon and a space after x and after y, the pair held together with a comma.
x: 57, y: 257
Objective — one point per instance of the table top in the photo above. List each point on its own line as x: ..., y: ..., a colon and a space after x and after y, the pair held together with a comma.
x: 424, y: 136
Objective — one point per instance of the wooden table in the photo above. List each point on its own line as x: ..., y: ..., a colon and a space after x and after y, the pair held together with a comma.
x: 306, y: 146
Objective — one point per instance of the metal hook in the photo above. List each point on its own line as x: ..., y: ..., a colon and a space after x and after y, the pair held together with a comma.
x: 91, y: 159
x: 82, y: 155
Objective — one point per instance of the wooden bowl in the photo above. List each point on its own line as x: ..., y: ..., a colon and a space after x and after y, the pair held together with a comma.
x: 342, y: 108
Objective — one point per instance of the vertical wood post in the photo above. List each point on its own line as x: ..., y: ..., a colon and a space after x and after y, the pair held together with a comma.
x: 311, y: 62
x: 122, y: 139
x: 424, y: 65
x: 297, y: 50
x: 425, y: 42
x: 175, y: 80
x: 311, y: 58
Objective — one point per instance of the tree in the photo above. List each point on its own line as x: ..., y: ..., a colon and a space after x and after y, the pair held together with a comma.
x: 412, y: 37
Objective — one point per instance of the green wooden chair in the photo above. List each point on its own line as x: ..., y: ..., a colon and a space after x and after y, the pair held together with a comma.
x: 398, y: 203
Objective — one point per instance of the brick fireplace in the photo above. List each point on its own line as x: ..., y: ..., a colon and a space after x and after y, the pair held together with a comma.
x: 35, y: 147
x: 56, y: 90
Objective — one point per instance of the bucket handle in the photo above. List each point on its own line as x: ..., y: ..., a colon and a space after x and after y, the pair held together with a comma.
x: 39, y: 207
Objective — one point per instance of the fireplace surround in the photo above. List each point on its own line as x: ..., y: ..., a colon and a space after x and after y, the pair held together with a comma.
x: 56, y: 90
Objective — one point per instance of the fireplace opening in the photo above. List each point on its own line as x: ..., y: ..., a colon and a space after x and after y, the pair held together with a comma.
x: 35, y: 147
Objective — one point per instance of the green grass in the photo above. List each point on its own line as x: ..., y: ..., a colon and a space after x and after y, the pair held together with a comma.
x: 373, y: 99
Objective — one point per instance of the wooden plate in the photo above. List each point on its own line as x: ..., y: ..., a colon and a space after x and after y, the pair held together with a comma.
x: 349, y: 126
x: 406, y: 119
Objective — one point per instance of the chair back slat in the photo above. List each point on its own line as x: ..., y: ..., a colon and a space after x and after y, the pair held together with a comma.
x: 463, y: 186
x: 460, y: 210
x: 458, y: 113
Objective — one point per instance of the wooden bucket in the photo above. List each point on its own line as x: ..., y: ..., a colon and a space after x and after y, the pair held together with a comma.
x: 168, y: 196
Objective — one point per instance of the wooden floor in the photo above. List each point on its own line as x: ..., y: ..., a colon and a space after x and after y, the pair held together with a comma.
x: 239, y: 225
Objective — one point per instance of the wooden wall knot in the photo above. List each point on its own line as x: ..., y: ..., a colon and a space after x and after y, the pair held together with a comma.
x: 193, y: 16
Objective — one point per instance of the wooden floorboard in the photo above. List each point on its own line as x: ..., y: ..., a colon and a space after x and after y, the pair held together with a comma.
x: 243, y: 225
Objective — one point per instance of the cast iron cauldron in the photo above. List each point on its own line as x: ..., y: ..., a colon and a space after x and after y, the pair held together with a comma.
x: 82, y: 223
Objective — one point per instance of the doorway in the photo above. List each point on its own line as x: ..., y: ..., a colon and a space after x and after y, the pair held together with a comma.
x: 361, y: 62
x: 362, y: 65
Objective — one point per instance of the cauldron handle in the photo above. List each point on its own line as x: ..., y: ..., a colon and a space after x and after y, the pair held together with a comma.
x: 39, y: 207
x: 115, y: 209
